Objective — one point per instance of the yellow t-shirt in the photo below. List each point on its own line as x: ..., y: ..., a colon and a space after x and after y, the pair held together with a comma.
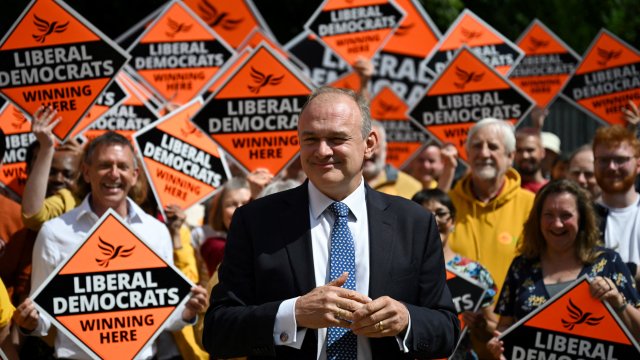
x: 6, y: 307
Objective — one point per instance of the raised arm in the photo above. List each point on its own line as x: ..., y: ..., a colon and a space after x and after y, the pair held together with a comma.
x: 44, y: 120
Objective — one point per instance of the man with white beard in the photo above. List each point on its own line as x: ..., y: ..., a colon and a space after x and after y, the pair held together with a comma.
x: 384, y: 177
x: 491, y: 206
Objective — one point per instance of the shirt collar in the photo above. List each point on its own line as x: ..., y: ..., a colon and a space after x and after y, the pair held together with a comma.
x: 133, y: 210
x: 319, y: 202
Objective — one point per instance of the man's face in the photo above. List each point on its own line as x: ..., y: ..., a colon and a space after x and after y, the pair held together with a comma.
x: 375, y: 165
x: 529, y: 154
x: 64, y: 169
x: 487, y: 155
x: 428, y: 165
x: 111, y: 174
x: 332, y: 150
x: 616, y: 167
x: 581, y: 170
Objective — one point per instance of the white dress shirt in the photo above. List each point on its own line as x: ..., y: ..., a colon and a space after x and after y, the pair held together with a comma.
x: 321, y: 221
x: 60, y: 236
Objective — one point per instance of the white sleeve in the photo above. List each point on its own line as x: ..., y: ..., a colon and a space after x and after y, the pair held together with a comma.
x: 44, y: 255
x: 402, y: 343
x: 285, y: 330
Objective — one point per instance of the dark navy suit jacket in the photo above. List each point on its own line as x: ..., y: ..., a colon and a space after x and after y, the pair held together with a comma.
x: 268, y: 259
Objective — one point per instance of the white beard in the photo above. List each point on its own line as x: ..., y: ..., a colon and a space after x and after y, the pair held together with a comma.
x: 486, y: 172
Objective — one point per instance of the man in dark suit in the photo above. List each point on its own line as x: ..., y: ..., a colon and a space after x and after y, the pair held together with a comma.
x: 278, y: 290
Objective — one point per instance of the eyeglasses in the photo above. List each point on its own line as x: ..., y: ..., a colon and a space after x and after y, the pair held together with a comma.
x: 442, y: 215
x: 618, y: 161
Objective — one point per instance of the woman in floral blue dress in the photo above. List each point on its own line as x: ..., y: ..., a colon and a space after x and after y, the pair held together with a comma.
x: 480, y: 324
x: 560, y: 243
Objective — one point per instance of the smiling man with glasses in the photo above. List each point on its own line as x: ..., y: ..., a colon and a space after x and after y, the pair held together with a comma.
x: 617, y: 163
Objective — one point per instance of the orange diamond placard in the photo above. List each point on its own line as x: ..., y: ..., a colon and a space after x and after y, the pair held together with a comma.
x: 233, y: 20
x: 16, y: 134
x: 606, y: 80
x: 253, y: 116
x: 490, y: 45
x: 112, y: 97
x: 182, y: 162
x: 546, y: 66
x: 257, y: 36
x: 178, y: 54
x: 53, y: 56
x: 466, y: 91
x: 355, y: 29
x: 572, y: 323
x: 402, y: 62
x: 316, y: 60
x: 114, y: 293
x: 131, y: 115
x: 404, y: 137
x: 227, y: 70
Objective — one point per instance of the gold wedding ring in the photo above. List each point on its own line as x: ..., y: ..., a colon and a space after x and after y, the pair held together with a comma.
x: 378, y: 326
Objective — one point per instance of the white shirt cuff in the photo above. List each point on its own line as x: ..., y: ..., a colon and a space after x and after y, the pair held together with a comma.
x: 285, y: 329
x: 402, y: 343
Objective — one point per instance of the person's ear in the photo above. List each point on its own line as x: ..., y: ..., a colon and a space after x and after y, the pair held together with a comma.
x: 370, y: 144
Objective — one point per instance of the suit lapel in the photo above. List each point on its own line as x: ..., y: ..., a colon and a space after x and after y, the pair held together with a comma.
x: 299, y: 247
x: 381, y: 237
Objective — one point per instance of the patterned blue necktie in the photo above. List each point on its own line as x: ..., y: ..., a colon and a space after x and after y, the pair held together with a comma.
x: 341, y: 342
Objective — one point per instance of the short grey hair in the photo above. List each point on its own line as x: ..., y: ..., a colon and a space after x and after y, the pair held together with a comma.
x: 362, y: 103
x: 504, y: 128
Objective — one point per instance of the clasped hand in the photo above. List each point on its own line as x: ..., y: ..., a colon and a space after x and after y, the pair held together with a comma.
x: 333, y: 306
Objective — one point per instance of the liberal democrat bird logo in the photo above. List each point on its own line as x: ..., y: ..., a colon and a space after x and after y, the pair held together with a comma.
x: 470, y: 34
x: 537, y: 44
x: 215, y: 18
x: 579, y: 317
x: 404, y: 29
x: 189, y: 129
x: 46, y: 28
x: 608, y: 55
x: 466, y: 77
x: 111, y: 252
x: 19, y: 119
x: 263, y: 80
x: 177, y: 27
x: 385, y: 108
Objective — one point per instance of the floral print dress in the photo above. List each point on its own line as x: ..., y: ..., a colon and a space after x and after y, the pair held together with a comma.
x: 524, y: 290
